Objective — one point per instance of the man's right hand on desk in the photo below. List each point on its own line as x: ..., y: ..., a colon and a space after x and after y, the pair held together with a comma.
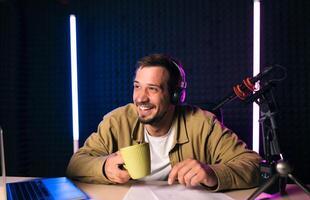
x: 113, y: 171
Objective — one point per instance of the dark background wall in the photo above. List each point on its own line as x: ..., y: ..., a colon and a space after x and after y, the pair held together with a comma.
x: 213, y: 39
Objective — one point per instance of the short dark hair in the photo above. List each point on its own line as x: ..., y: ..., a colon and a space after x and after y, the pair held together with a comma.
x: 167, y: 62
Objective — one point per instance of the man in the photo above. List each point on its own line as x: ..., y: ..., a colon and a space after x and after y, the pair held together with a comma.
x: 187, y: 144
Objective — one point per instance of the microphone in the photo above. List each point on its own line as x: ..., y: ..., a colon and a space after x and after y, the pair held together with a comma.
x: 247, y: 86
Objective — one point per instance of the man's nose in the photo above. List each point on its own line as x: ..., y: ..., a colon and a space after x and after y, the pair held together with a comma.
x: 142, y: 96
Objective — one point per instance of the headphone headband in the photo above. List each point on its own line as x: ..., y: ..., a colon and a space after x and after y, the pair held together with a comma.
x: 183, y: 83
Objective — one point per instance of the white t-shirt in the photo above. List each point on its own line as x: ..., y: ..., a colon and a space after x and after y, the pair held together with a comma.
x: 159, y: 149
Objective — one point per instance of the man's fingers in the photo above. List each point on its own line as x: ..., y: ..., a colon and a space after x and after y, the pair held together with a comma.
x: 179, y: 168
x: 188, y: 171
x: 118, y: 176
x: 113, y: 170
x: 121, y: 176
x: 195, y: 179
x: 188, y: 177
x: 174, y: 172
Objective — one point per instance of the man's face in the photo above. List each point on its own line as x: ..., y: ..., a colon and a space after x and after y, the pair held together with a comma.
x: 150, y: 94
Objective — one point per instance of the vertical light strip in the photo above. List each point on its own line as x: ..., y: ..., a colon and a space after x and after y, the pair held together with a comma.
x: 256, y: 69
x: 74, y: 84
x: 3, y: 175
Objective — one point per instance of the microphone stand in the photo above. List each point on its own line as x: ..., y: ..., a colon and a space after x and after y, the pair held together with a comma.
x: 274, y: 170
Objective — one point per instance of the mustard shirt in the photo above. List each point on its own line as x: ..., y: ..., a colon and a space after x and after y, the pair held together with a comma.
x: 199, y: 135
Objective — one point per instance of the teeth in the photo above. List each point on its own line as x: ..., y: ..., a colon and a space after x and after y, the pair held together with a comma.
x: 143, y: 107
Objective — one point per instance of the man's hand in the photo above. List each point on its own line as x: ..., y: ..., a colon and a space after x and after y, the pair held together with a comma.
x: 191, y: 172
x: 113, y: 171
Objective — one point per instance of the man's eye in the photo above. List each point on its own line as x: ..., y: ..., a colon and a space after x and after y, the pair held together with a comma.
x: 154, y: 89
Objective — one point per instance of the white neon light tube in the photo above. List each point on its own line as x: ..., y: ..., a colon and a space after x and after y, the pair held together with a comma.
x: 74, y: 83
x: 256, y: 70
x: 3, y: 175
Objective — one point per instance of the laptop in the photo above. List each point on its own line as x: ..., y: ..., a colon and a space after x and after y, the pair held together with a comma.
x: 60, y: 188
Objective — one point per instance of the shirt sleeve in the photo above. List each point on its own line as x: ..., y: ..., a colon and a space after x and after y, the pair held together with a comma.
x: 87, y: 163
x: 235, y: 166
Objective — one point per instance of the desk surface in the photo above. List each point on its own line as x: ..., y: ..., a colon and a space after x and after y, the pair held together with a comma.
x: 117, y: 192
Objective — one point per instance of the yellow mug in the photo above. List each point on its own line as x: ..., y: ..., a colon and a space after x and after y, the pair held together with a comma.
x: 137, y: 160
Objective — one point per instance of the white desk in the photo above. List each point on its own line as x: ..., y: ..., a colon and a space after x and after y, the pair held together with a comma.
x: 117, y: 192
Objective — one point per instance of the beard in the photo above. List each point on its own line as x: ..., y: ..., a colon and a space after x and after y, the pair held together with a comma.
x: 151, y: 121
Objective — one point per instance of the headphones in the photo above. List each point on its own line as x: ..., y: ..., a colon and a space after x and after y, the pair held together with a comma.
x: 179, y: 93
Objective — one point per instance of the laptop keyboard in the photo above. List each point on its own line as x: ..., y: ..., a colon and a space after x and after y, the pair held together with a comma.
x: 31, y: 190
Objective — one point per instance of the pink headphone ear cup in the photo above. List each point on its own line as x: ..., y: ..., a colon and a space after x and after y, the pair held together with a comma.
x: 182, y: 96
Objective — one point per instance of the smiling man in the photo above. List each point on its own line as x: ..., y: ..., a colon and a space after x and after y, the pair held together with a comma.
x: 151, y: 96
x: 187, y: 144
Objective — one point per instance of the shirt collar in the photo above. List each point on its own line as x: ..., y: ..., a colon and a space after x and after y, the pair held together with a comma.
x: 181, y: 135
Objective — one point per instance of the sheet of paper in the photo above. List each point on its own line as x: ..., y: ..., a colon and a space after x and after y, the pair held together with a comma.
x: 160, y: 190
